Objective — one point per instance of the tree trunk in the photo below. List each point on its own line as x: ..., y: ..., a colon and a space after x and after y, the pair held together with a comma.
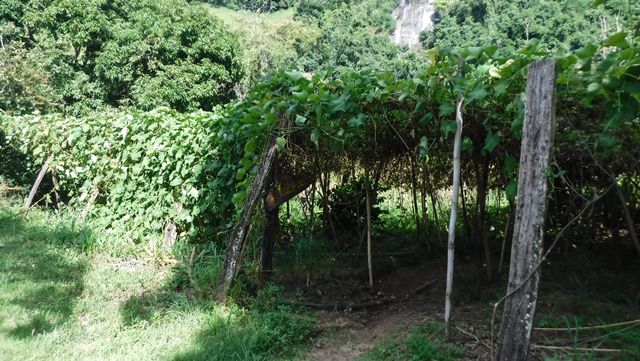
x: 326, y: 214
x: 56, y: 187
x: 425, y: 214
x: 465, y: 217
x: 454, y: 213
x: 311, y: 204
x: 527, y: 246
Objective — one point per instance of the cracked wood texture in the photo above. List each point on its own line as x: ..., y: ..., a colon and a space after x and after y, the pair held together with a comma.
x: 238, y: 238
x: 527, y: 247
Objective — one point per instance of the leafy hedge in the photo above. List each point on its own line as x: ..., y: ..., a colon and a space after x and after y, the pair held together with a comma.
x: 149, y: 167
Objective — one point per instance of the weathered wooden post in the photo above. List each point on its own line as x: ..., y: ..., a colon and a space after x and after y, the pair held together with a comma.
x: 454, y: 215
x: 455, y: 188
x: 272, y: 201
x: 36, y: 184
x: 238, y: 237
x: 270, y: 234
x: 526, y: 251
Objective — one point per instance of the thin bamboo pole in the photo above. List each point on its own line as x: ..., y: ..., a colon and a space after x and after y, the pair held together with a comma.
x: 454, y: 213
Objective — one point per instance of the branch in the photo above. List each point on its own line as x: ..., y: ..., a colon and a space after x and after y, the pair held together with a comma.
x: 571, y: 348
x: 569, y: 329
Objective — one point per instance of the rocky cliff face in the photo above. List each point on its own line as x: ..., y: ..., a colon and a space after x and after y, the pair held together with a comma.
x: 412, y: 17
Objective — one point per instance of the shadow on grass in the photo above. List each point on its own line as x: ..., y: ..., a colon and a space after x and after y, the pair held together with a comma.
x: 150, y: 306
x: 42, y: 273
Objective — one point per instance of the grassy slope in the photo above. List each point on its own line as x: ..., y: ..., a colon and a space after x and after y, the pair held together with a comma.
x: 239, y: 20
x: 58, y: 302
x: 269, y: 41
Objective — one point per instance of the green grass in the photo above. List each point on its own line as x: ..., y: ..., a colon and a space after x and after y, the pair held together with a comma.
x: 425, y: 342
x: 60, y: 300
x: 238, y: 20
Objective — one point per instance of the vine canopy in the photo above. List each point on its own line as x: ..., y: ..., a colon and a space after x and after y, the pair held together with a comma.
x: 194, y: 169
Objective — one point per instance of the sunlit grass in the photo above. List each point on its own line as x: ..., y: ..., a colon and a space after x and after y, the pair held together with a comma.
x: 239, y: 20
x: 425, y: 342
x: 61, y: 301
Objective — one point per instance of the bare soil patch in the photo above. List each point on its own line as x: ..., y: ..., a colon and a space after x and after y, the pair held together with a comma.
x: 347, y: 333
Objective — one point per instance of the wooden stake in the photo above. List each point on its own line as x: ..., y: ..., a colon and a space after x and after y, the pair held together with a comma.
x: 36, y: 184
x: 56, y: 186
x: 454, y: 214
x: 507, y: 228
x: 527, y: 245
x: 368, y: 200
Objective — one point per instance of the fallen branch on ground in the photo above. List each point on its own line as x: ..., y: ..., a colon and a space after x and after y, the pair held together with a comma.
x: 426, y: 285
x: 584, y: 328
x: 571, y: 348
x: 339, y: 306
x: 474, y: 337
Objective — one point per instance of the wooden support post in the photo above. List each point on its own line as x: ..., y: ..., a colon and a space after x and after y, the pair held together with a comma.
x: 527, y: 246
x: 507, y: 233
x: 454, y: 214
x: 56, y: 187
x: 270, y: 234
x: 414, y: 195
x: 481, y: 219
x: 272, y: 201
x: 36, y: 184
x: 368, y: 201
x: 239, y: 235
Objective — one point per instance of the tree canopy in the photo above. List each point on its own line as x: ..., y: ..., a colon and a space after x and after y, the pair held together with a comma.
x: 565, y: 25
x: 91, y: 53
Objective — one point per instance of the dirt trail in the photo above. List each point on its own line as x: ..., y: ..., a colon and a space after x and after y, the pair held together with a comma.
x: 348, y: 335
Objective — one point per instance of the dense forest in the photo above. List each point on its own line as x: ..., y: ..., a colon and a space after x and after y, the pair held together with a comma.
x: 286, y: 180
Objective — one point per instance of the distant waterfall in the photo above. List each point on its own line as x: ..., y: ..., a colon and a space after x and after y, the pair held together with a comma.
x: 412, y: 17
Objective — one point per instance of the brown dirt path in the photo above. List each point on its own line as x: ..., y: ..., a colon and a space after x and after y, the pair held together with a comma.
x: 348, y: 335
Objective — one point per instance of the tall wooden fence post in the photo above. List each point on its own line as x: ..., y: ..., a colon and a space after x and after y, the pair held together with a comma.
x: 526, y: 251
